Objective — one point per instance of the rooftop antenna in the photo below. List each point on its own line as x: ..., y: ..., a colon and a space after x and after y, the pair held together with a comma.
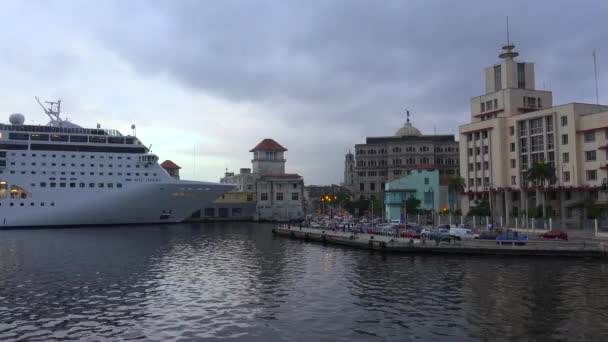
x: 53, y: 111
x: 408, y: 116
x: 509, y: 53
x: 134, y: 130
x: 508, y: 42
x: 597, y: 93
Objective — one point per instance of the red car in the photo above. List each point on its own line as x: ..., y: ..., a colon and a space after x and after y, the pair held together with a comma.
x: 410, y: 234
x: 554, y: 236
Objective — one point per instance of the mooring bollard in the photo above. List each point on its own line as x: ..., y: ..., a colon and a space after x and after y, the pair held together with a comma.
x: 595, y: 226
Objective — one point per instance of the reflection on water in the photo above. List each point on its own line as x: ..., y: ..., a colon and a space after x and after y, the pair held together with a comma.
x: 235, y: 280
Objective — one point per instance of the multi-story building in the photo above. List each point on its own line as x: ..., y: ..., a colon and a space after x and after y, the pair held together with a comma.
x: 382, y: 159
x: 279, y: 196
x: 514, y: 125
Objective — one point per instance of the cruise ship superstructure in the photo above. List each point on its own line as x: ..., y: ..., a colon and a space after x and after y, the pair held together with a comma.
x: 64, y: 175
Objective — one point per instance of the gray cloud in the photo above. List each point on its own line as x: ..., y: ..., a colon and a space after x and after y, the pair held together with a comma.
x: 337, y: 71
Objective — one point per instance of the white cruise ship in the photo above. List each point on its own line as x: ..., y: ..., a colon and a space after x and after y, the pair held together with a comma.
x: 64, y: 175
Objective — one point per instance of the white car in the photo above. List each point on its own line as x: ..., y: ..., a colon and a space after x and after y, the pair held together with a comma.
x: 463, y: 233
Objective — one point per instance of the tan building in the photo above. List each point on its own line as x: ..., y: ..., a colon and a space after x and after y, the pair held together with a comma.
x: 514, y: 125
x: 279, y: 196
x: 383, y: 159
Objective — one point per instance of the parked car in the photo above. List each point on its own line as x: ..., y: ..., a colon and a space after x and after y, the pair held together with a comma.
x: 462, y: 233
x: 513, y: 238
x: 487, y: 235
x: 554, y: 236
x: 439, y: 234
x: 414, y: 227
x: 410, y: 234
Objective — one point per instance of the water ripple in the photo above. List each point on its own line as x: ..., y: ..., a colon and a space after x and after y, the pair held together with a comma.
x: 238, y: 282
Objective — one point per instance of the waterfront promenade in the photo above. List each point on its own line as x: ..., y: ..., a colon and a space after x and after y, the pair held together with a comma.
x: 583, y: 248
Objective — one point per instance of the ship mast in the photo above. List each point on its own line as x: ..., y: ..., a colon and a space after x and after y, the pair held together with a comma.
x: 53, y: 111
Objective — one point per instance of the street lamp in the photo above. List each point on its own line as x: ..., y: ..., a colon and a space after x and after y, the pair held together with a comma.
x: 489, y: 188
x: 431, y: 192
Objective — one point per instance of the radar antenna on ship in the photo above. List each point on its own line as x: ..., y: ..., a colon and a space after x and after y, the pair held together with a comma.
x: 53, y: 110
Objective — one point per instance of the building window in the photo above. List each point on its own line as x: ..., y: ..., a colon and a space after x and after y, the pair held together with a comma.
x: 565, y: 157
x: 521, y: 75
x: 564, y: 121
x: 549, y: 141
x: 536, y: 126
x: 362, y: 185
x: 566, y: 176
x: 470, y: 152
x: 512, y: 145
x: 279, y: 196
x: 549, y: 121
x: 564, y: 139
x: 478, y: 164
x: 295, y: 196
x: 264, y: 196
x: 372, y: 186
x: 511, y: 130
x: 428, y: 197
x: 537, y: 143
x: 486, y: 165
x: 589, y: 155
x: 477, y: 151
x: 589, y: 136
x: 513, y: 163
x: 495, y: 104
x: 591, y: 175
x: 513, y: 180
x: 497, y: 78
x: 483, y: 107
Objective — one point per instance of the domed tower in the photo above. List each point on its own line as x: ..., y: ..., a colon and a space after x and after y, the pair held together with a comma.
x: 407, y: 129
x: 268, y: 158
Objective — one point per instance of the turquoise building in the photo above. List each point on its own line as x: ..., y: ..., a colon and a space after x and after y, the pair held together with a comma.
x: 422, y: 184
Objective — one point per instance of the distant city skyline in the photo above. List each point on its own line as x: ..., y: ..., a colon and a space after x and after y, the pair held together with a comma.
x: 216, y: 78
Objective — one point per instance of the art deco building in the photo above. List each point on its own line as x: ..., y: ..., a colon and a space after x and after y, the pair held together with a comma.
x: 279, y: 196
x: 382, y: 159
x: 514, y: 125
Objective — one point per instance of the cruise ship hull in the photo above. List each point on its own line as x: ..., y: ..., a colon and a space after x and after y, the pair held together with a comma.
x: 137, y: 204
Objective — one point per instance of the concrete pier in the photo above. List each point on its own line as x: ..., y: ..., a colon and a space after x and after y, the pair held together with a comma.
x: 595, y: 249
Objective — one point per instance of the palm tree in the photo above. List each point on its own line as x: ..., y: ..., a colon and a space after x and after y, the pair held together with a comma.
x: 455, y: 186
x: 541, y: 173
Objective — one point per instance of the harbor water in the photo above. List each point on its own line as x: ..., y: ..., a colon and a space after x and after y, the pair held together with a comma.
x: 236, y: 281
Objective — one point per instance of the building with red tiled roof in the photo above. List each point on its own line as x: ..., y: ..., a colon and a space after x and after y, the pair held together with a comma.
x: 171, y: 168
x: 279, y: 196
x: 268, y: 145
x: 268, y: 157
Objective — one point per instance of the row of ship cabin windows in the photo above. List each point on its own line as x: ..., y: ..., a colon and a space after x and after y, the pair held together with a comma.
x: 44, y: 155
x: 79, y: 185
x: 407, y: 149
x: 21, y: 204
x: 72, y: 138
x: 72, y: 173
x: 81, y: 165
x: 295, y: 196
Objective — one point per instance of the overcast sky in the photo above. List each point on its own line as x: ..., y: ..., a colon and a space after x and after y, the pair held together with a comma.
x: 205, y: 81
